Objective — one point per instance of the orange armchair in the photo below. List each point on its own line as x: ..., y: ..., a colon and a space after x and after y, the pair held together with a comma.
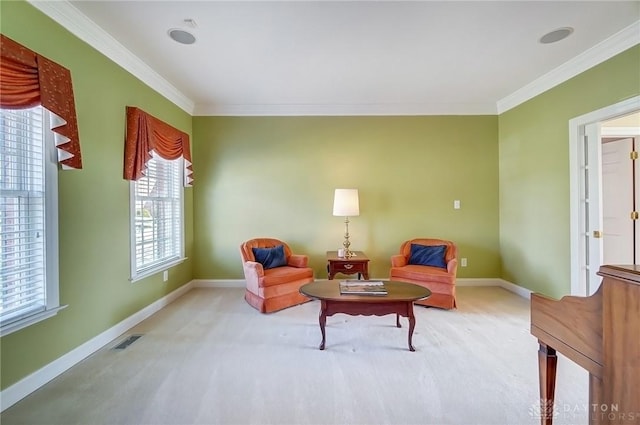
x: 275, y: 277
x: 440, y: 279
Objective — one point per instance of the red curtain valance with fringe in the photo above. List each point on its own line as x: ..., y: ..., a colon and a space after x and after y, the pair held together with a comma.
x: 28, y: 79
x: 145, y: 133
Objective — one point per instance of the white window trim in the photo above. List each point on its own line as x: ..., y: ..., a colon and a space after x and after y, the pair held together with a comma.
x: 52, y: 282
x: 30, y: 320
x: 137, y: 275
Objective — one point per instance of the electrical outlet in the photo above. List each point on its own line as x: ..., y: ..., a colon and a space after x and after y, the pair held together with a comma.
x: 165, y: 275
x: 456, y: 204
x: 463, y: 262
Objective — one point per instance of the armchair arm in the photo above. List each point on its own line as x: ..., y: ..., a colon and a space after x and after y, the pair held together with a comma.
x: 298, y: 260
x: 253, y: 271
x: 398, y: 260
x: 254, y: 268
x: 452, y: 266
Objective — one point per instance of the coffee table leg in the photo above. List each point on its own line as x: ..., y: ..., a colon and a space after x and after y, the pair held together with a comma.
x: 323, y: 321
x: 412, y: 324
x: 398, y: 321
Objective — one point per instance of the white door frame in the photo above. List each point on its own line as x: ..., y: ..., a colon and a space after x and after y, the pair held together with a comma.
x: 576, y: 179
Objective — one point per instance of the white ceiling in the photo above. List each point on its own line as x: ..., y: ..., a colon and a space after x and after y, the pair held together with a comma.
x: 357, y: 57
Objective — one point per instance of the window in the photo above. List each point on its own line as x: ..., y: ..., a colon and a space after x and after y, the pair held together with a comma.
x: 157, y: 240
x: 28, y: 219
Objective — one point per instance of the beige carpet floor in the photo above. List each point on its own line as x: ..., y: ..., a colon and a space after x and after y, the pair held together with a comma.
x: 209, y: 358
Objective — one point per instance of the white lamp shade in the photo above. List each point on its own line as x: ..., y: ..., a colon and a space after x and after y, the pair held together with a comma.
x: 346, y: 203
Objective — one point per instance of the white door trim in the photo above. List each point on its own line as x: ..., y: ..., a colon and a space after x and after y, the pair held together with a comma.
x: 576, y: 176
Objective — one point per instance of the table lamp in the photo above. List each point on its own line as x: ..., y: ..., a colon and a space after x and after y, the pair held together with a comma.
x: 346, y: 204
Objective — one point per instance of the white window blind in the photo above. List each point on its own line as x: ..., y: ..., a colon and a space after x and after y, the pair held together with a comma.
x: 157, y: 218
x: 28, y: 227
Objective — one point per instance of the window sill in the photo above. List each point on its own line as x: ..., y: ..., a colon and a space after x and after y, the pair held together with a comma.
x: 157, y: 269
x: 29, y: 320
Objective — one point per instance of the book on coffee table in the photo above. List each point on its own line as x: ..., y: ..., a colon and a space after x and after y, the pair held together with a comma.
x: 362, y: 287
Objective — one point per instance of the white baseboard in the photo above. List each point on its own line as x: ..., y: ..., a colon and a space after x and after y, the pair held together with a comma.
x: 29, y: 384
x: 480, y: 281
x: 240, y: 283
x: 511, y: 287
x: 219, y: 283
x: 523, y: 292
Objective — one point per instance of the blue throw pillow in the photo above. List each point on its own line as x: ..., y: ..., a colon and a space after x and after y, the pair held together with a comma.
x: 270, y: 257
x: 428, y: 255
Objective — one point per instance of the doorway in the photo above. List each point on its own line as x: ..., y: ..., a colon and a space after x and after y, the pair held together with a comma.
x: 591, y: 190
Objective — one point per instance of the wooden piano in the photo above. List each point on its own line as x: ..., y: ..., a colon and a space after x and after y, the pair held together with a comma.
x: 601, y: 333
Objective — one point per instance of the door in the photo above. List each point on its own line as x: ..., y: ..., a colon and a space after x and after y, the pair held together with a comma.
x: 592, y: 208
x: 618, y: 201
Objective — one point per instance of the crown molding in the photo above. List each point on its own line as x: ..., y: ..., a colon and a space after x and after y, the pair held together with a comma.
x: 373, y: 109
x: 65, y: 14
x: 617, y: 43
x: 85, y: 29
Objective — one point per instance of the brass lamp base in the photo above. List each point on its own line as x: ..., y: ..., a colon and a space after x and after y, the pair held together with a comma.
x: 347, y: 252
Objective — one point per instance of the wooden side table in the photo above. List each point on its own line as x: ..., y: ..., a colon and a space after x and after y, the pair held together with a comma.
x: 357, y: 264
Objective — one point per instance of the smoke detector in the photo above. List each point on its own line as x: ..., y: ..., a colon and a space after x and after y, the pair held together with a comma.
x: 556, y: 35
x: 181, y: 36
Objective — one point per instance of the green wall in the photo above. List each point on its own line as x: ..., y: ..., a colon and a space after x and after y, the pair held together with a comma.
x: 275, y: 177
x: 534, y: 172
x: 93, y: 202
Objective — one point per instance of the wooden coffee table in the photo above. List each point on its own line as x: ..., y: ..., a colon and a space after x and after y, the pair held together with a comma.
x: 398, y: 301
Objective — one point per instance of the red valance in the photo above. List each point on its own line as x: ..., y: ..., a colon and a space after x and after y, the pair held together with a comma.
x: 28, y: 79
x: 145, y: 133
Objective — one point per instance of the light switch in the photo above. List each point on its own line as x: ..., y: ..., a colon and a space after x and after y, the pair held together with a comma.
x: 456, y: 204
